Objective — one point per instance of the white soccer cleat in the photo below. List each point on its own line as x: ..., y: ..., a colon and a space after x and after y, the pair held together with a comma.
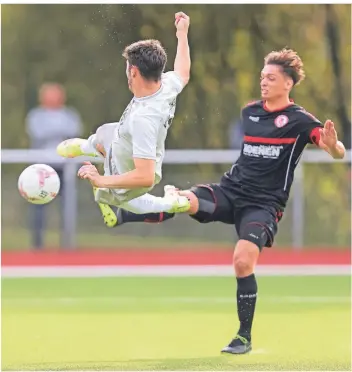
x: 170, y: 190
x: 180, y: 204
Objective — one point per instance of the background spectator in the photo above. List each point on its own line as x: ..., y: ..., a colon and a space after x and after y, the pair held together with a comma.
x: 47, y: 125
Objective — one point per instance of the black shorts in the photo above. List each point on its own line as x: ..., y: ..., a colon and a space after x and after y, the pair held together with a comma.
x: 250, y: 219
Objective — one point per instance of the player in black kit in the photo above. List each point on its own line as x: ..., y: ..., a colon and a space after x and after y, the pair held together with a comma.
x: 253, y: 194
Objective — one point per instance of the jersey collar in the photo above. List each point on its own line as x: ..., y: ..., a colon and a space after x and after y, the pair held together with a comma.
x: 139, y: 99
x: 279, y: 109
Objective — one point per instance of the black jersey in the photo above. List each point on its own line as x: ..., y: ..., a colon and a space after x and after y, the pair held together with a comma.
x: 272, y: 146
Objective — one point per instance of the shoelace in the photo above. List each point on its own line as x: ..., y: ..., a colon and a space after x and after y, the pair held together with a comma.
x: 242, y: 339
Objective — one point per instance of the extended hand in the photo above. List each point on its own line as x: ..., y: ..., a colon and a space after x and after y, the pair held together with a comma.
x: 328, y: 134
x: 90, y: 172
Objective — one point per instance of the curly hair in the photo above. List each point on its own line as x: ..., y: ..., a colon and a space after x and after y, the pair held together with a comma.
x: 290, y: 62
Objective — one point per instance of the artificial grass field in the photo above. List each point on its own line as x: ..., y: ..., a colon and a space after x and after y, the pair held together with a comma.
x: 301, y: 323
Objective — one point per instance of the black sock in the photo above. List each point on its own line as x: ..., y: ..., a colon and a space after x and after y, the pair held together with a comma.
x: 126, y: 216
x: 246, y: 300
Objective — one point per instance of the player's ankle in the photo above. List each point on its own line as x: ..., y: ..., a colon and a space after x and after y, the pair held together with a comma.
x: 245, y: 334
x: 193, y: 201
x: 86, y: 147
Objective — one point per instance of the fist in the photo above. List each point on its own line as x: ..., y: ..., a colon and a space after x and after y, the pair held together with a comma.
x: 181, y: 22
x: 88, y: 169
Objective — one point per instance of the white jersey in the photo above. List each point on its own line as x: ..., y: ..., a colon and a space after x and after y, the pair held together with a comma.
x: 103, y: 136
x: 140, y: 133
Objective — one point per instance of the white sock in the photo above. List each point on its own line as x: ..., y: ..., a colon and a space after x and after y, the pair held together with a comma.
x: 88, y: 147
x: 148, y: 203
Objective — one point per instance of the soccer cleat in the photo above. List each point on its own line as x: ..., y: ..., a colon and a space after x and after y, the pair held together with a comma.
x: 180, y: 204
x: 239, y: 345
x: 170, y: 190
x: 109, y: 216
x: 72, y: 148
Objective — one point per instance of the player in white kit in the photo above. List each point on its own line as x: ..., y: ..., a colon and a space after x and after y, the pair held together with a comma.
x: 133, y: 161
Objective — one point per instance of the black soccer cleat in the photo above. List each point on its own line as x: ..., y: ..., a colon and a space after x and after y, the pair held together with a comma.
x: 239, y: 345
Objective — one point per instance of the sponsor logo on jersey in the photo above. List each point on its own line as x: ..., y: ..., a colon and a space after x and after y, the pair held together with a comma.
x: 254, y: 236
x: 281, y: 121
x: 265, y: 151
x: 254, y: 118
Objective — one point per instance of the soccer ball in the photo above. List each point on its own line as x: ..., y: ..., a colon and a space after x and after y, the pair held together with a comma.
x: 39, y: 184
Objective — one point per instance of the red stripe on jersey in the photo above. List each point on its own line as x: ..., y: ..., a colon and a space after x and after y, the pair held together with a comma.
x: 271, y: 141
x: 315, y: 136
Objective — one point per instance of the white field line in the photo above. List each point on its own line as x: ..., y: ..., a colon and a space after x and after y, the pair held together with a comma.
x: 68, y: 301
x: 168, y: 270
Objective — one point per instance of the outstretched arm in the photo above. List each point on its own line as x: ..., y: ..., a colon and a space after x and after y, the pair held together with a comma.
x: 141, y: 176
x: 182, y: 63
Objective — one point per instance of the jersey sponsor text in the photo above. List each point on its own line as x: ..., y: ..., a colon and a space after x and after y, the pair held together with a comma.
x: 265, y: 151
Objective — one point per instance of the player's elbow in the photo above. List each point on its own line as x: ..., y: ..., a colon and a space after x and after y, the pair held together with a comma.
x: 145, y: 172
x: 147, y: 180
x: 185, y: 78
x: 184, y: 75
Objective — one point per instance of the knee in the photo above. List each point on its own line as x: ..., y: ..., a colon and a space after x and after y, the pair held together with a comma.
x: 98, y: 197
x: 102, y: 196
x: 245, y: 258
x: 193, y: 199
x: 242, y: 264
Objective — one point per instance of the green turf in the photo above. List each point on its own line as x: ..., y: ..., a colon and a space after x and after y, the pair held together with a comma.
x: 20, y: 239
x: 302, y: 323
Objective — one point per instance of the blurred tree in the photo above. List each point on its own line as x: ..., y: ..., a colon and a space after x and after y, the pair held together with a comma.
x: 81, y: 45
x: 333, y: 40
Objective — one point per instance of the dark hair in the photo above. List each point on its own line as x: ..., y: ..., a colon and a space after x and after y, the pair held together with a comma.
x: 149, y: 56
x: 290, y: 62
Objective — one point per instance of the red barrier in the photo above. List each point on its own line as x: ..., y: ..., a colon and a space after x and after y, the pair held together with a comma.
x: 169, y: 257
